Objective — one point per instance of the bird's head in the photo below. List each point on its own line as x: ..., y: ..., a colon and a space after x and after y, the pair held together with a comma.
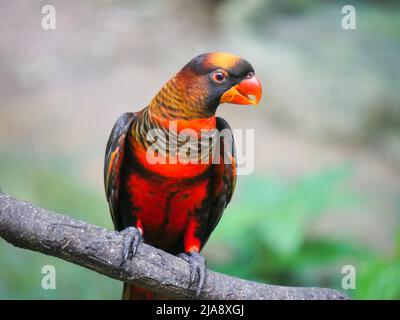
x: 204, y: 83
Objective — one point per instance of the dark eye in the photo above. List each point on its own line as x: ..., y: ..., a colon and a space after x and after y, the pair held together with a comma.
x: 250, y: 75
x: 218, y: 76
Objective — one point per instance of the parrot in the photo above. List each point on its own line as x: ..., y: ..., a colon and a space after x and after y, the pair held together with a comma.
x: 175, y: 202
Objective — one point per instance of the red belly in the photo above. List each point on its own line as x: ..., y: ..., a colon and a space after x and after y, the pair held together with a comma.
x: 164, y: 208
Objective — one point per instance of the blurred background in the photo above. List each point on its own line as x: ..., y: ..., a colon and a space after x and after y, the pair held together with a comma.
x: 326, y: 187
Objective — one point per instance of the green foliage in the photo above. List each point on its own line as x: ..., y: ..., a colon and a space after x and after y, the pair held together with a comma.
x: 267, y: 237
x: 49, y: 183
x: 379, y: 276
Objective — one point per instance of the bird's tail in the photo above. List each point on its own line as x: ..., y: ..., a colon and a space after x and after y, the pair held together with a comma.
x: 132, y: 292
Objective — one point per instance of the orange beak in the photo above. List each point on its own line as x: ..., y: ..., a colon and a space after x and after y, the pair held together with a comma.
x: 240, y: 93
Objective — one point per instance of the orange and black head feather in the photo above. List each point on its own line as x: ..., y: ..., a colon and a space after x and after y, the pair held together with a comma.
x: 195, y: 91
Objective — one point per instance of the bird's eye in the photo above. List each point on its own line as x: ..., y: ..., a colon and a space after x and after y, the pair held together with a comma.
x: 250, y: 75
x: 218, y: 77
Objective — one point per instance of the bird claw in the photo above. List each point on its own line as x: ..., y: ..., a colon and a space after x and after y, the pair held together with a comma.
x: 197, y: 265
x: 131, y: 243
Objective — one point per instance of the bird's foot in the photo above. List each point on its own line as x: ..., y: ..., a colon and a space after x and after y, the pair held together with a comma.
x: 198, y: 269
x: 132, y: 239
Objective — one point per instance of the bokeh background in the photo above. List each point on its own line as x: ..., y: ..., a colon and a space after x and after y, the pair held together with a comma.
x: 326, y: 186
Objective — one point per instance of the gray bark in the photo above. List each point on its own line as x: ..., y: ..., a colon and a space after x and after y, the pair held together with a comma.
x: 27, y: 226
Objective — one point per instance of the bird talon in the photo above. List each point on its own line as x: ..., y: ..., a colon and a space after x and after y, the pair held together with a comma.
x: 184, y: 256
x: 197, y: 265
x: 131, y: 242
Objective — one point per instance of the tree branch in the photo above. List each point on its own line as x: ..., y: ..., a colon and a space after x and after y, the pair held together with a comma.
x: 98, y: 249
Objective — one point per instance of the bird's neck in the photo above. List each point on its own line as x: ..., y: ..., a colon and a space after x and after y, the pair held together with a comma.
x: 148, y: 121
x: 176, y: 125
x: 181, y: 99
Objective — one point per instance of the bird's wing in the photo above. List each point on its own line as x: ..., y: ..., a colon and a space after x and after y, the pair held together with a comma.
x: 224, y: 177
x: 113, y: 162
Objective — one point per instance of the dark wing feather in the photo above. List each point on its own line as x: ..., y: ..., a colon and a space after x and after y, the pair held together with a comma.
x: 223, y: 179
x: 113, y: 162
